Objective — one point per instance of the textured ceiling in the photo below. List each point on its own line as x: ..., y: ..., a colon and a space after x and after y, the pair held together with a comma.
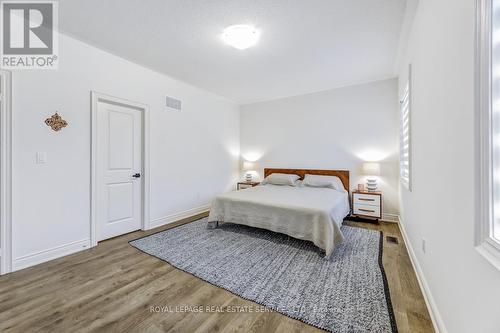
x: 305, y: 45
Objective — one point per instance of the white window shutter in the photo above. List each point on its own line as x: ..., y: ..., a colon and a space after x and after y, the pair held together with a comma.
x: 405, y: 138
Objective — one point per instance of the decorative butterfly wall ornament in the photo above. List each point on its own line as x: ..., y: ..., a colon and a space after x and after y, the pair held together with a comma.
x: 56, y: 122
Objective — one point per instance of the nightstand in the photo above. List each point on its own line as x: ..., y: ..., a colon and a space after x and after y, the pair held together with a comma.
x: 243, y: 185
x: 367, y: 204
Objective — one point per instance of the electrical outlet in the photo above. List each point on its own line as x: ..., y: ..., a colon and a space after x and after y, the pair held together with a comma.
x: 424, y: 245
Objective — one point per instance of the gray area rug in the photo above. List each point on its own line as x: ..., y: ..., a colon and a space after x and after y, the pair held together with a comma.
x: 347, y: 293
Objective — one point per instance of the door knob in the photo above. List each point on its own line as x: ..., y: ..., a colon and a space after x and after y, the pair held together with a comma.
x: 137, y: 175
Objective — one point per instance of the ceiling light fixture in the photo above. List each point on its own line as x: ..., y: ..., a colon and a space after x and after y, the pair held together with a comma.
x: 241, y: 36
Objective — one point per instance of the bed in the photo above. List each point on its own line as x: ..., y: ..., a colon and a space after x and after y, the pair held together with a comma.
x: 308, y: 213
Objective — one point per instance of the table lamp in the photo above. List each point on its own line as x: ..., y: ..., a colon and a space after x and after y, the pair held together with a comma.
x: 372, y: 170
x: 248, y: 167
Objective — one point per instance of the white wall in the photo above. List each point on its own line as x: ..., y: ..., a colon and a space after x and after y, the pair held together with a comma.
x: 194, y: 153
x: 463, y: 288
x: 335, y: 129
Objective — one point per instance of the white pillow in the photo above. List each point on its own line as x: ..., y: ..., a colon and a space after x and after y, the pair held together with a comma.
x: 281, y: 179
x: 324, y: 181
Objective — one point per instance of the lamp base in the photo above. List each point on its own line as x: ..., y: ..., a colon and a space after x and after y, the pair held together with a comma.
x: 248, y: 177
x: 371, y: 185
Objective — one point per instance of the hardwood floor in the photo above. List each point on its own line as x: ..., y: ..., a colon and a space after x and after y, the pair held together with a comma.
x: 112, y: 287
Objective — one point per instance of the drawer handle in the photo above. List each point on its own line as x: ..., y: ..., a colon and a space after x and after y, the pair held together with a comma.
x: 366, y: 210
x: 363, y: 199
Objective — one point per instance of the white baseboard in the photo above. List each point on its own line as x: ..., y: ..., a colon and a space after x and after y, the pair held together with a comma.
x: 436, y: 318
x: 177, y: 216
x: 50, y: 254
x: 73, y: 247
x: 394, y: 218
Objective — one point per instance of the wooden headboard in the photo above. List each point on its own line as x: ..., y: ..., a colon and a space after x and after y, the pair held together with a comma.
x: 342, y: 174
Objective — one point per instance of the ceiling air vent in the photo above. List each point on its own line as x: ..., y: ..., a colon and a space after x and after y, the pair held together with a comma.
x: 173, y: 103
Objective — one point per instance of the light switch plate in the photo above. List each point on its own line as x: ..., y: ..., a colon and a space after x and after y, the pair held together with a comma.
x: 41, y: 157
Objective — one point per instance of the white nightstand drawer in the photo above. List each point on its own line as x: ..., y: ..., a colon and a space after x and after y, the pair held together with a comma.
x: 367, y: 210
x: 366, y: 199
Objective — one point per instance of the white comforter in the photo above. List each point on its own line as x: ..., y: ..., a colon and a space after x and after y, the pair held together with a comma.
x: 308, y: 213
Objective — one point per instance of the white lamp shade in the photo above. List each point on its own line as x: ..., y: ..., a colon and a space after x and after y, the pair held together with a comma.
x: 371, y: 169
x: 248, y: 166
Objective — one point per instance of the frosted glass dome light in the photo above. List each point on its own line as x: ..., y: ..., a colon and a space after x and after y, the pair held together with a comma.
x: 241, y: 36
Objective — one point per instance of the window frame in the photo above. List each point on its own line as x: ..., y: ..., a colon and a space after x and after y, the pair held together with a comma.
x: 406, y: 184
x: 485, y: 242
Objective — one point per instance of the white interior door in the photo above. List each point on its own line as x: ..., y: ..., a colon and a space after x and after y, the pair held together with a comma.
x: 119, y: 169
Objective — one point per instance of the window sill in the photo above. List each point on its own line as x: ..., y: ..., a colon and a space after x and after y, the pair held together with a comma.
x: 491, y: 252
